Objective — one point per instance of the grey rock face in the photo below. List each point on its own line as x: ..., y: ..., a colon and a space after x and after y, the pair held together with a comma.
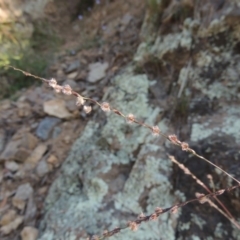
x: 102, y: 181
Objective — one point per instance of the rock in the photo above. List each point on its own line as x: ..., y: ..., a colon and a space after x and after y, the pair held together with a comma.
x: 28, y: 140
x: 42, y: 190
x: 1, y: 175
x: 37, y: 97
x: 42, y: 168
x: 2, y: 140
x: 29, y: 233
x: 71, y: 105
x: 72, y: 67
x: 24, y: 109
x: 71, y: 83
x: 36, y: 155
x: 67, y: 139
x: 56, y: 131
x: 45, y: 127
x: 110, y: 29
x: 24, y: 192
x: 125, y: 21
x: 56, y: 108
x: 19, y: 203
x: 19, y: 146
x: 97, y: 71
x: 12, y: 226
x: 8, y: 217
x: 102, y: 175
x: 31, y: 210
x: 60, y: 74
x: 5, y: 104
x: 11, y: 166
x: 53, y: 160
x: 72, y: 75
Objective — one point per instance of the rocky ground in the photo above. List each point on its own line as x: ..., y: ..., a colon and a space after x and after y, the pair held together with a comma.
x: 39, y: 126
x: 66, y: 174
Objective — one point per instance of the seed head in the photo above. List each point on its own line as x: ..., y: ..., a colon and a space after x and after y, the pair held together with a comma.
x: 130, y: 118
x: 141, y: 216
x: 105, y: 233
x: 219, y: 192
x: 66, y: 89
x: 158, y: 210
x: 173, y: 138
x: 105, y: 107
x: 87, y: 109
x: 201, y: 198
x: 52, y: 83
x: 155, y: 130
x: 133, y: 226
x: 184, y: 146
x: 153, y: 216
x: 58, y: 88
x: 80, y: 101
x: 174, y: 209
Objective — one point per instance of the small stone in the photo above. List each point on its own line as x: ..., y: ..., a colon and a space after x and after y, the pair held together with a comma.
x: 73, y: 66
x: 71, y: 105
x: 1, y: 175
x: 24, y: 192
x: 71, y: 83
x: 31, y: 211
x: 97, y: 71
x: 56, y: 108
x: 45, y: 127
x: 24, y: 109
x: 42, y: 190
x: 2, y: 140
x: 11, y: 166
x: 37, y: 154
x: 12, y: 226
x: 29, y: 141
x: 72, y: 75
x: 42, y: 168
x: 5, y: 104
x: 19, y: 146
x: 60, y: 74
x: 53, y: 160
x: 56, y: 132
x: 126, y: 19
x: 8, y: 217
x: 21, y: 99
x: 67, y: 139
x: 29, y: 233
x: 21, y: 155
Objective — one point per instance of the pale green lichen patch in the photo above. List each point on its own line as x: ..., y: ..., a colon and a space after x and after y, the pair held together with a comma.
x: 220, y: 232
x: 220, y: 124
x: 236, y: 232
x: 198, y: 221
x: 171, y: 42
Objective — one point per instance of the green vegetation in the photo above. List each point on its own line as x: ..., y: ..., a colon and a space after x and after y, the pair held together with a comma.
x: 32, y: 55
x: 44, y: 38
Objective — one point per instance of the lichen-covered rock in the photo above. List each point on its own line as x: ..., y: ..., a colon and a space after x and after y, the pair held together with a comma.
x: 115, y: 170
x: 113, y: 173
